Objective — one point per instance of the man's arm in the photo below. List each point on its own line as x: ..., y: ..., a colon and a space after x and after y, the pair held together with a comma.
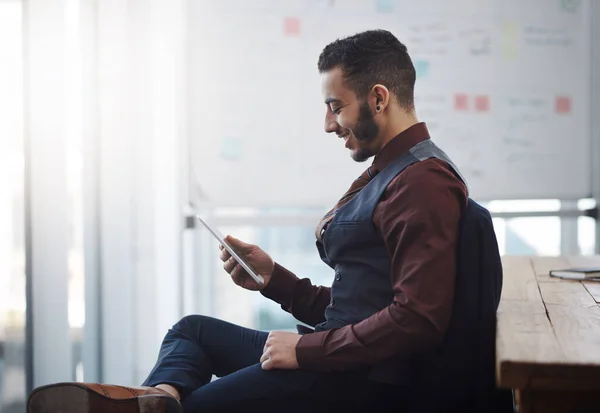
x: 419, y: 221
x: 298, y: 296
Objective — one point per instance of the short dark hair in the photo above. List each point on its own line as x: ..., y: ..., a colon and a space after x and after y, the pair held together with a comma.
x: 369, y: 58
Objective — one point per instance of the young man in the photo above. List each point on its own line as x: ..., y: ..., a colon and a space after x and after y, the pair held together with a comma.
x: 391, y: 241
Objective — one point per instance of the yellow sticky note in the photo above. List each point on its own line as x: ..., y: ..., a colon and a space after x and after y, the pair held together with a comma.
x: 509, y: 31
x: 510, y: 35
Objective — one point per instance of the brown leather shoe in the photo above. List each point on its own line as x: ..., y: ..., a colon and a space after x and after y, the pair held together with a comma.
x: 100, y: 398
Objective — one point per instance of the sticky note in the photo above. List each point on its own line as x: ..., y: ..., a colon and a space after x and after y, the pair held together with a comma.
x: 291, y: 26
x: 509, y: 52
x: 510, y: 35
x: 563, y: 104
x: 323, y: 3
x: 231, y: 148
x: 482, y: 103
x: 570, y: 5
x: 509, y: 31
x: 461, y: 101
x: 422, y: 68
x: 384, y: 6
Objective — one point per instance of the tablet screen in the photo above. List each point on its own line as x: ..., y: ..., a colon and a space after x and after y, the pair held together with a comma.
x: 219, y: 236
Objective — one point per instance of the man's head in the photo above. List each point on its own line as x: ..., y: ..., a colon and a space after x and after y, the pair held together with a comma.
x: 367, y: 81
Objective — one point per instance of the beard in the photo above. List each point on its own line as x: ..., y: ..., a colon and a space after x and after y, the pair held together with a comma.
x: 365, y: 131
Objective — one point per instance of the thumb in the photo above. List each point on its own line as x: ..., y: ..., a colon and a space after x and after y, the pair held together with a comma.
x: 240, y: 246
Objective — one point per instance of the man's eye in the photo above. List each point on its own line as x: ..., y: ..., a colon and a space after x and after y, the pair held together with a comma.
x: 336, y: 111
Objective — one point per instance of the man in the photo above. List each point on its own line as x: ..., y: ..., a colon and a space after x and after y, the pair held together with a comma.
x: 392, y: 242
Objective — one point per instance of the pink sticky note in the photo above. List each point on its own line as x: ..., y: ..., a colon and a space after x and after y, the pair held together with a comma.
x: 482, y: 103
x: 291, y: 26
x: 461, y: 101
x: 563, y: 104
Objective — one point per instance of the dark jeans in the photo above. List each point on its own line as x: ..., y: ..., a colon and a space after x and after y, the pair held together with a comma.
x: 198, y: 347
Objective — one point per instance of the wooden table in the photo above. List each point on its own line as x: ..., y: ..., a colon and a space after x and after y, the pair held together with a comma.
x: 548, y: 336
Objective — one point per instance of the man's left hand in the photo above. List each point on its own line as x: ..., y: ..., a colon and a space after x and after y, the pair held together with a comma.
x: 280, y: 351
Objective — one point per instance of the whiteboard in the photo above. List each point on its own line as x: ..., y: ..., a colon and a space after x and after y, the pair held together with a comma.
x: 504, y: 87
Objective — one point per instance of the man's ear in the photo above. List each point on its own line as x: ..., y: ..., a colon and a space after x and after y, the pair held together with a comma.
x: 381, y: 97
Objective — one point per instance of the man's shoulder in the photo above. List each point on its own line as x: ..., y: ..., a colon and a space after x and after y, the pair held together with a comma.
x: 424, y: 189
x: 432, y: 172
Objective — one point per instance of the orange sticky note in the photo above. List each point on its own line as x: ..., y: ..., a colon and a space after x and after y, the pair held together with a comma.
x: 461, y: 101
x: 563, y: 104
x: 291, y: 26
x: 482, y: 103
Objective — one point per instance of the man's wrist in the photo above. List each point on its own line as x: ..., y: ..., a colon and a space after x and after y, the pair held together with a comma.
x: 281, y: 286
x: 310, y: 352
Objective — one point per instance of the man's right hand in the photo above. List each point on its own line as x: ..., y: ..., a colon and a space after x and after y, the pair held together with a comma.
x: 259, y: 260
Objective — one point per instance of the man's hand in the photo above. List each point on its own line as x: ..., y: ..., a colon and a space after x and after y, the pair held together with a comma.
x: 259, y: 260
x: 280, y: 351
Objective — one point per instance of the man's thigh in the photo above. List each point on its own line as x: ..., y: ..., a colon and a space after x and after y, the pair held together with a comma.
x: 254, y: 389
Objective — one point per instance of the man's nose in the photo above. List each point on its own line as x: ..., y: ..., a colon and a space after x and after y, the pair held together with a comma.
x: 331, y: 124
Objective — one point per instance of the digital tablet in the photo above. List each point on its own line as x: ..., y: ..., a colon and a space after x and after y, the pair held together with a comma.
x: 219, y: 236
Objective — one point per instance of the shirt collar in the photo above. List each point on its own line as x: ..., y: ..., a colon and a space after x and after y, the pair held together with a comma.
x: 400, y: 144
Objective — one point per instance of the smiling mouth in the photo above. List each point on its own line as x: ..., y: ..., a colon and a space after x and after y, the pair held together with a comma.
x: 346, y: 141
x: 346, y: 138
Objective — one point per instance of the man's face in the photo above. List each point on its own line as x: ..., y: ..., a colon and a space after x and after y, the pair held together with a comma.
x: 347, y: 116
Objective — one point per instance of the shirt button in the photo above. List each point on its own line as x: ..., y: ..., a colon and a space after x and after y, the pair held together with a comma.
x: 338, y: 276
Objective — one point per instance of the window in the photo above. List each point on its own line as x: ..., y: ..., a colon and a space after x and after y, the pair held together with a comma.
x: 288, y: 236
x: 12, y: 207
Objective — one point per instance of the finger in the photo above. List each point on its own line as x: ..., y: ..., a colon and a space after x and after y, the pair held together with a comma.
x: 267, y: 343
x: 240, y: 246
x: 238, y: 274
x: 267, y: 364
x: 229, y: 265
x: 264, y: 356
x: 225, y: 255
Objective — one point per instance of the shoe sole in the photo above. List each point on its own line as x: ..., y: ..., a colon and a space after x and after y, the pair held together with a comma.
x: 74, y: 398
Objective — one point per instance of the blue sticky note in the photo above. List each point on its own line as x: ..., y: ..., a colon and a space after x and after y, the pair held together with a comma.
x: 570, y: 5
x: 231, y: 148
x: 385, y: 6
x: 422, y: 68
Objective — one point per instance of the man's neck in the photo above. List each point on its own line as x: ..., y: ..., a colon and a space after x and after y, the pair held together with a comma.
x: 397, y: 125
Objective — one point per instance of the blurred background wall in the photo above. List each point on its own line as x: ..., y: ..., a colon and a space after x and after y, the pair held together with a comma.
x: 121, y: 119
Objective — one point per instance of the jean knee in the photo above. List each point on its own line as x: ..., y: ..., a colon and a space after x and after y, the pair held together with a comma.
x: 192, y: 323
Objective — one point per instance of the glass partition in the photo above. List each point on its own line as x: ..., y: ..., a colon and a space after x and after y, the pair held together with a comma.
x: 13, y: 369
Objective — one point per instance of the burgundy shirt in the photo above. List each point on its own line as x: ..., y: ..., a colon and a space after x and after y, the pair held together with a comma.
x: 418, y: 219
